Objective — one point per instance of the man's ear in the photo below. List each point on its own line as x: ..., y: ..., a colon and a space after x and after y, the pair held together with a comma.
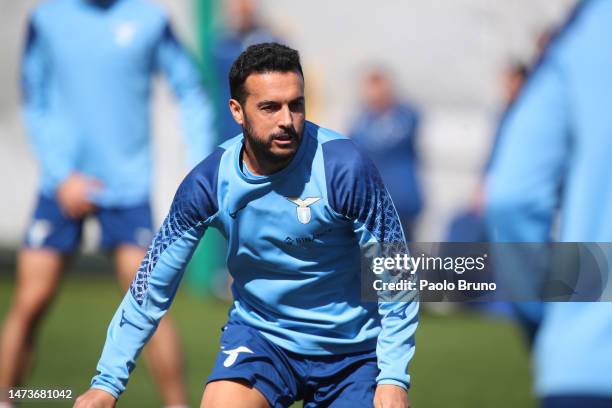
x: 237, y: 112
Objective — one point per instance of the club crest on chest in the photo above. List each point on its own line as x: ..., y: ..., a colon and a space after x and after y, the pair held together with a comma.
x: 304, y: 215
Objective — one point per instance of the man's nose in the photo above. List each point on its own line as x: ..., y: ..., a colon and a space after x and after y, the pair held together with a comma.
x: 286, y: 118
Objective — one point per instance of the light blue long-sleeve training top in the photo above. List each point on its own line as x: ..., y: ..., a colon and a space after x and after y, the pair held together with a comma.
x: 294, y: 253
x: 86, y: 78
x: 555, y: 152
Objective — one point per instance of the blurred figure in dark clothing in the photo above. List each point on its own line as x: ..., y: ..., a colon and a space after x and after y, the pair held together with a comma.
x: 386, y: 129
x: 243, y: 29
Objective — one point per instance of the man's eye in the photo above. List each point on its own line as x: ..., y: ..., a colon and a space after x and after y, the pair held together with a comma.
x: 296, y: 106
x: 268, y: 108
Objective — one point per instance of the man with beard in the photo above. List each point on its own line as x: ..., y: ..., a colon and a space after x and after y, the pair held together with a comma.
x: 297, y: 204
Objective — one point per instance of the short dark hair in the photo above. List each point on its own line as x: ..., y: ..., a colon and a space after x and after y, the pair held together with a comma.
x: 261, y: 58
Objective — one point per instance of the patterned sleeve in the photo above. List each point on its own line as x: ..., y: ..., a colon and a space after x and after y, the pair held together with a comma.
x: 356, y: 191
x: 157, y: 280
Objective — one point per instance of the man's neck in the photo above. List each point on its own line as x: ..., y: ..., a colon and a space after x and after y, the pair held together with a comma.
x: 102, y: 4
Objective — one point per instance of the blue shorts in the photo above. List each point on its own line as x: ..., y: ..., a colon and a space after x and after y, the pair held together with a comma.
x: 346, y: 380
x: 51, y: 229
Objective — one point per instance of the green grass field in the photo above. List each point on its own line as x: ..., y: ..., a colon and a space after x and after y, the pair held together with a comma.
x: 462, y: 360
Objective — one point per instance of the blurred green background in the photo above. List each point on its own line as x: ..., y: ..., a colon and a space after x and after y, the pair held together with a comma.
x: 463, y: 359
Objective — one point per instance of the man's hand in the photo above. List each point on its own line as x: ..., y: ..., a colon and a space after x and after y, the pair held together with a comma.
x: 95, y: 398
x: 73, y: 195
x: 391, y: 396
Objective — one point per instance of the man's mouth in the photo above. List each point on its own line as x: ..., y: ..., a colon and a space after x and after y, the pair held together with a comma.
x: 284, y: 140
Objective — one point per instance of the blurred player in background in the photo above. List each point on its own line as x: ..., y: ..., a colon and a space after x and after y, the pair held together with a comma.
x: 86, y: 77
x: 554, y: 154
x: 387, y: 130
x: 243, y: 28
x: 297, y: 203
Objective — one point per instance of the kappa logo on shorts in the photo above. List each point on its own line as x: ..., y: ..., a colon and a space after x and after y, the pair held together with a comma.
x: 401, y: 312
x: 304, y: 214
x: 39, y: 232
x: 232, y: 355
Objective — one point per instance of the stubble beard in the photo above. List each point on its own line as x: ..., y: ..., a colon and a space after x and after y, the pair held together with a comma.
x: 262, y: 147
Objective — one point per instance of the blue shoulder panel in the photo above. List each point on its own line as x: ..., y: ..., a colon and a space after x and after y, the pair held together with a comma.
x: 356, y: 191
x: 194, y: 204
x: 196, y: 197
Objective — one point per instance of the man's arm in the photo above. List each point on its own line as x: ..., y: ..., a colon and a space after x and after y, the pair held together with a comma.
x: 193, y: 209
x: 525, y: 177
x: 196, y: 110
x: 53, y: 144
x: 358, y: 193
x: 148, y: 299
x: 376, y: 223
